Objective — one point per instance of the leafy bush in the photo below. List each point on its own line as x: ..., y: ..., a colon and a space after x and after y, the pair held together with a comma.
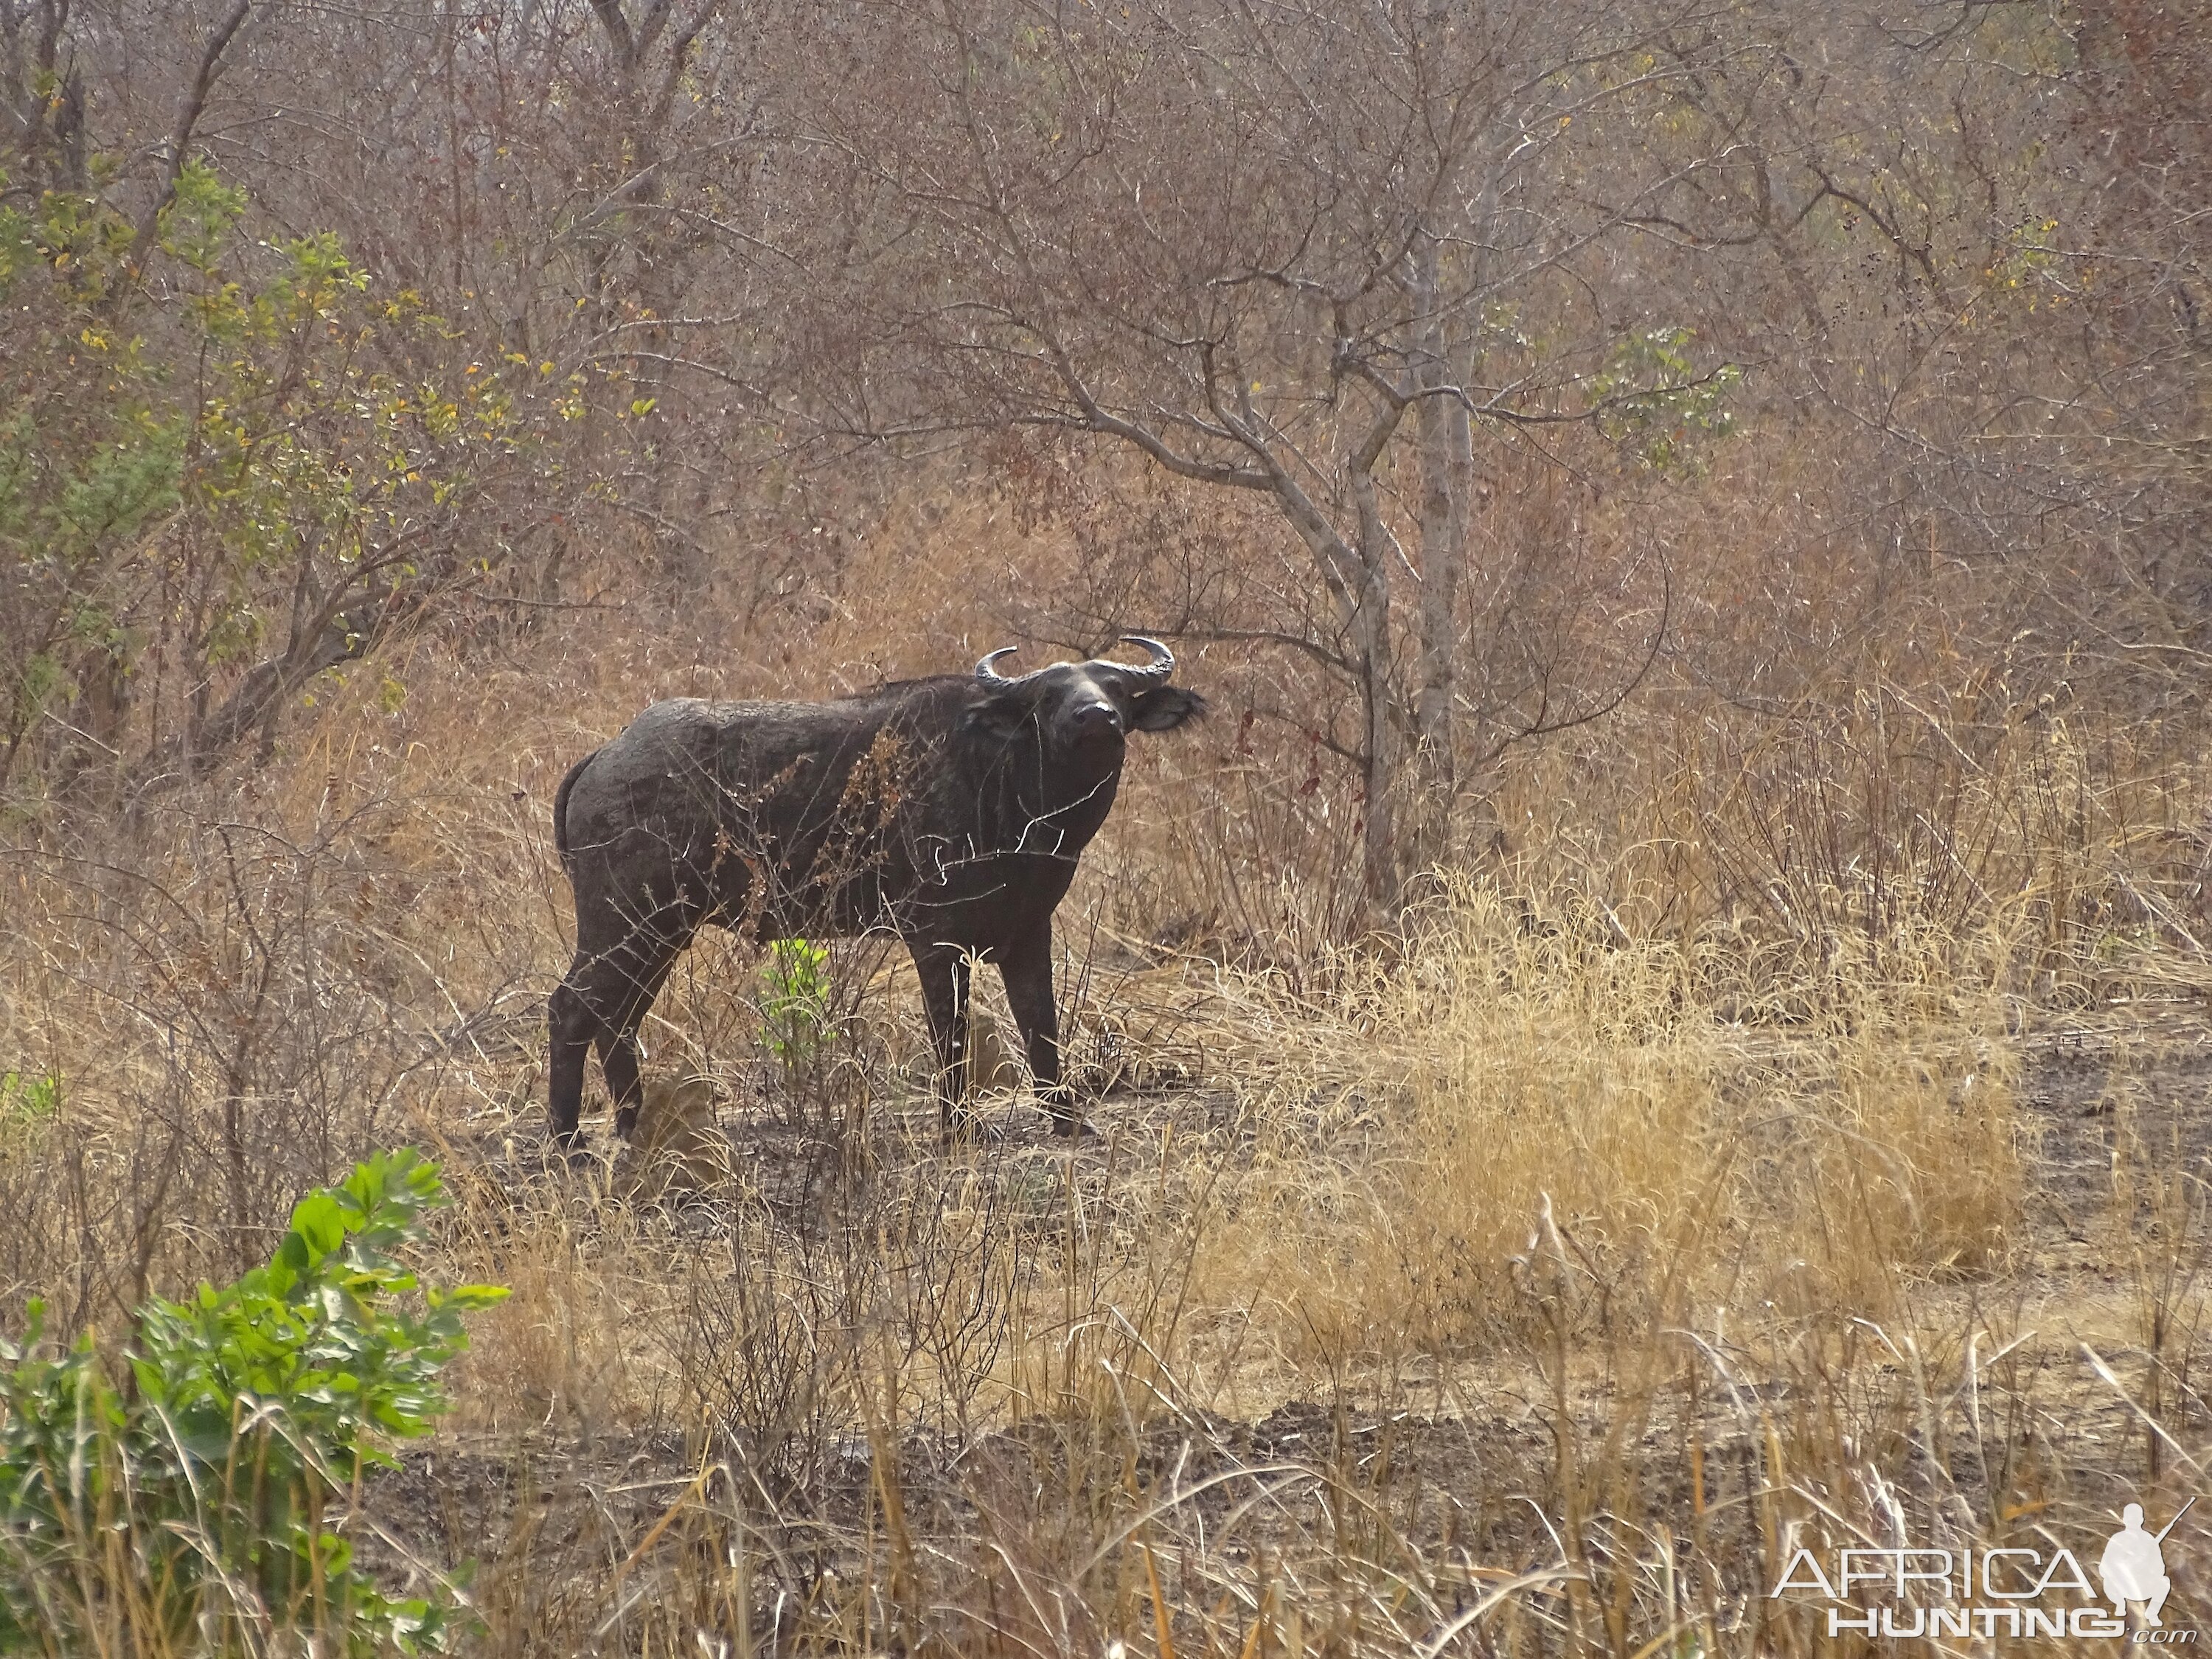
x: 29, y: 1097
x: 179, y: 1495
x: 798, y: 1021
x: 264, y: 427
x: 1651, y: 399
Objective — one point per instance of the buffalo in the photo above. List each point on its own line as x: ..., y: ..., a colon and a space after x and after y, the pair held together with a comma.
x: 949, y: 811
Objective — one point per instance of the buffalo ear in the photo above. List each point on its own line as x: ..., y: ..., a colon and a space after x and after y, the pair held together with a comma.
x: 1164, y: 707
x: 998, y: 715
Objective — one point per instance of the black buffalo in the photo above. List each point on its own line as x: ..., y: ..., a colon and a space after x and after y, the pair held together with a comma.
x: 949, y: 811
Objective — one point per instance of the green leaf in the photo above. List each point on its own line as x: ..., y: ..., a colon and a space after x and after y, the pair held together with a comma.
x: 303, y: 1371
x: 320, y: 1223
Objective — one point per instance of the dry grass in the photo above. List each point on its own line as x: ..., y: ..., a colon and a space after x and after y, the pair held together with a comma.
x: 1525, y: 1283
x: 1493, y: 1074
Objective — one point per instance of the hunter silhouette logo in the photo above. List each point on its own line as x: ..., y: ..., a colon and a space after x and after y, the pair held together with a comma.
x: 2010, y: 1590
x: 2133, y: 1566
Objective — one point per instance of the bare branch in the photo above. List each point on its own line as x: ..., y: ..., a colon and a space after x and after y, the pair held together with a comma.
x: 178, y: 146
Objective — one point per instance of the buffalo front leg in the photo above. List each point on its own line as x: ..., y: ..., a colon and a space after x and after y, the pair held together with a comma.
x: 1027, y: 970
x: 944, y: 972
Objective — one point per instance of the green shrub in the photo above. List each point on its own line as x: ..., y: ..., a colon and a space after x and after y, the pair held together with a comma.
x: 30, y: 1103
x: 30, y: 1097
x: 187, y: 1493
x: 797, y: 1020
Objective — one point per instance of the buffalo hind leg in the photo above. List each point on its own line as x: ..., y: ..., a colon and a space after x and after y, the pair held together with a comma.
x: 1027, y: 970
x: 601, y: 1003
x: 645, y: 970
x: 943, y: 969
x: 620, y: 1065
x: 573, y: 1027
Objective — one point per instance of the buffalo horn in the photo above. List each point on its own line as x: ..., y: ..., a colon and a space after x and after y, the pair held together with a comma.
x: 991, y: 677
x: 1163, y: 663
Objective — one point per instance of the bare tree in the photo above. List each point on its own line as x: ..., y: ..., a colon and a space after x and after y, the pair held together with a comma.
x: 1274, y: 252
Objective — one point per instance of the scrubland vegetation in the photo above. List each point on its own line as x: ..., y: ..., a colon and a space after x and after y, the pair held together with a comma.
x: 1660, y: 1021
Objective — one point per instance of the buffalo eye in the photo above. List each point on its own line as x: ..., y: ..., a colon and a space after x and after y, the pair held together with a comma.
x: 1001, y: 716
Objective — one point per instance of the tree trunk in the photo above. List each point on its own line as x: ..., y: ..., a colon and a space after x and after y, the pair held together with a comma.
x: 1370, y: 650
x: 657, y: 285
x: 1446, y: 442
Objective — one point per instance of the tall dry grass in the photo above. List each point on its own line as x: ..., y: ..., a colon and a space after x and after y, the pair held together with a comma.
x: 1490, y: 1072
x: 1662, y: 1192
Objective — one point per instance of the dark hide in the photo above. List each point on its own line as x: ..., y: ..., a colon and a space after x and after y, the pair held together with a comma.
x: 950, y: 811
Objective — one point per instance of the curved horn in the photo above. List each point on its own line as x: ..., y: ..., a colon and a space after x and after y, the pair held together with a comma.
x: 991, y: 677
x: 1163, y: 663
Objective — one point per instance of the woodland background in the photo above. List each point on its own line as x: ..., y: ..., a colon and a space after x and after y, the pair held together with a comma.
x: 1693, y: 520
